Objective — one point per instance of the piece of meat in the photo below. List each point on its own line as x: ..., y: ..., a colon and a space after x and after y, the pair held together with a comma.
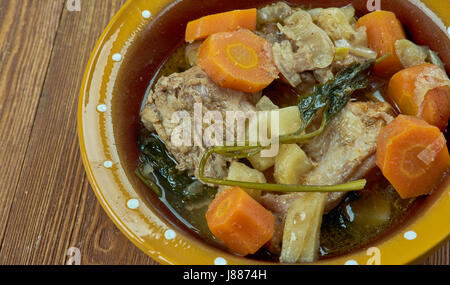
x: 274, y: 13
x: 338, y: 25
x: 307, y: 47
x: 182, y: 94
x: 344, y: 152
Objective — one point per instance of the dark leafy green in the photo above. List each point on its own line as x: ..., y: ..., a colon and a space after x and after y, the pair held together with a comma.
x: 157, y: 169
x: 330, y: 98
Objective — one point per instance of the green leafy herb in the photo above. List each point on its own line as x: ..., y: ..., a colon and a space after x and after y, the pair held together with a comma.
x: 330, y: 98
x: 157, y: 169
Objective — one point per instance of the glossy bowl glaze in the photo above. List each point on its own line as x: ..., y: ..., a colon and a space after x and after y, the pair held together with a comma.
x: 130, y: 51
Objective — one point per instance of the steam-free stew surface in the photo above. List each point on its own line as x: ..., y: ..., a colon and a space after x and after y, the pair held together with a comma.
x: 357, y: 222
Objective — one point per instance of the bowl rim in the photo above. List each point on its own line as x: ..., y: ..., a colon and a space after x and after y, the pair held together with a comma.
x: 161, y: 246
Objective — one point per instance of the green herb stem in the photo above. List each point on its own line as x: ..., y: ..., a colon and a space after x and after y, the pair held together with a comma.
x: 285, y: 188
x: 270, y: 187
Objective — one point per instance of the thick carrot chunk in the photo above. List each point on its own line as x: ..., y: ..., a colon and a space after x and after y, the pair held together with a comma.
x: 239, y: 221
x: 436, y: 107
x: 412, y: 155
x: 383, y: 30
x: 222, y: 22
x: 423, y: 91
x: 238, y: 60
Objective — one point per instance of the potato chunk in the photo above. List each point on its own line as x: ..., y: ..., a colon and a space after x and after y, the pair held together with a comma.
x: 241, y: 172
x: 290, y: 164
x: 262, y: 163
x: 258, y: 162
x: 289, y: 122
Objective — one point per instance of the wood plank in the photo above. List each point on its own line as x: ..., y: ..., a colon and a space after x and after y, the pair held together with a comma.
x: 27, y: 35
x: 441, y: 257
x: 53, y: 196
x: 99, y: 241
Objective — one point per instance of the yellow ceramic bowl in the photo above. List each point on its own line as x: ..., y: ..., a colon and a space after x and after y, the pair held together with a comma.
x: 131, y: 48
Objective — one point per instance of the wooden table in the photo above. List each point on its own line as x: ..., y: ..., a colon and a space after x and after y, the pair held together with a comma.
x: 46, y: 204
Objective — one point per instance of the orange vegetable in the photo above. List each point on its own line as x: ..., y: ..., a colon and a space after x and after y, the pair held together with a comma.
x: 383, y: 30
x: 422, y: 91
x: 238, y: 60
x: 222, y: 22
x: 436, y: 107
x: 412, y: 155
x: 240, y: 222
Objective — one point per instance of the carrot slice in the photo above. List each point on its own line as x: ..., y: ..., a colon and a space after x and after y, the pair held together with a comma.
x: 436, y: 107
x: 240, y: 222
x: 238, y: 60
x: 414, y: 91
x: 222, y: 22
x: 412, y: 155
x: 383, y: 30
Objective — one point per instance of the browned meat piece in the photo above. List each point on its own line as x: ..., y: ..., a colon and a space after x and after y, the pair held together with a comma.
x: 344, y: 152
x: 181, y: 92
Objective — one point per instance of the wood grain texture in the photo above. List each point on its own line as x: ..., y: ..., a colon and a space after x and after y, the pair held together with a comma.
x: 27, y: 35
x: 46, y: 204
x: 53, y: 208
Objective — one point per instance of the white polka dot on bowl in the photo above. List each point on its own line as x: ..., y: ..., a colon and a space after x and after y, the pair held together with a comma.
x: 117, y: 57
x: 133, y: 204
x: 102, y: 108
x: 351, y: 262
x: 146, y: 14
x: 108, y: 164
x: 170, y: 234
x: 411, y: 235
x: 220, y: 261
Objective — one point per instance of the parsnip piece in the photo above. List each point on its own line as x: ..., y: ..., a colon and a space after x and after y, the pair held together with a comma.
x: 290, y: 164
x: 289, y: 122
x: 241, y: 172
x: 302, y: 229
x: 258, y: 162
x: 311, y: 245
x: 262, y: 163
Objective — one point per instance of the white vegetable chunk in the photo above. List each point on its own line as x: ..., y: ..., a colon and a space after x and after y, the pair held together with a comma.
x: 289, y: 121
x: 291, y: 164
x: 258, y: 162
x: 301, y: 237
x: 409, y: 53
x: 241, y: 172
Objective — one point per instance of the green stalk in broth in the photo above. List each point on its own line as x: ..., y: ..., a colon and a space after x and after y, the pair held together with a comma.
x: 270, y: 187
